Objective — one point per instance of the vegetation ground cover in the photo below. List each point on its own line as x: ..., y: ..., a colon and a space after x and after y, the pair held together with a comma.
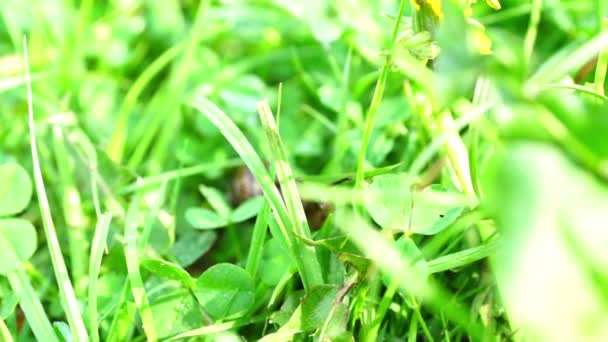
x: 267, y: 170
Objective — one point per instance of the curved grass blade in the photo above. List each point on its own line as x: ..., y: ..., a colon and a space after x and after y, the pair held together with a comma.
x: 97, y: 248
x: 305, y: 258
x: 289, y: 189
x: 66, y: 290
x: 5, y: 334
x: 137, y: 284
x: 31, y: 306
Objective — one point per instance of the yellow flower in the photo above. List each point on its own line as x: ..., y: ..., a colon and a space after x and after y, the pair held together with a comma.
x: 433, y: 5
x: 494, y: 4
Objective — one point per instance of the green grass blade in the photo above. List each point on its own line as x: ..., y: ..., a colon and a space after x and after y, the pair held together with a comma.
x: 66, y: 290
x: 290, y: 193
x: 178, y: 83
x: 463, y: 258
x: 393, y: 263
x: 121, y: 327
x: 570, y: 62
x: 97, y: 247
x: 116, y: 146
x: 257, y: 240
x: 439, y: 140
x: 601, y: 65
x: 256, y: 166
x: 580, y: 88
x: 84, y: 146
x: 5, y: 334
x: 376, y: 99
x: 31, y: 306
x: 530, y: 38
x: 132, y: 259
x: 71, y: 204
x: 179, y: 173
x: 151, y: 216
x: 217, y: 328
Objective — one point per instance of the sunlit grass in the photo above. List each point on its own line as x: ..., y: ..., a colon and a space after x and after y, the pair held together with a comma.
x: 420, y: 170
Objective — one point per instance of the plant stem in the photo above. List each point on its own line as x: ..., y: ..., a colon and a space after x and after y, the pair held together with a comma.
x: 601, y: 66
x: 530, y: 38
x: 376, y: 100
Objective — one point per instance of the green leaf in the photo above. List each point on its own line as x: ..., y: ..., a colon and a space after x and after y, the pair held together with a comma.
x: 247, y: 209
x: 192, y: 245
x: 317, y: 305
x: 165, y: 269
x: 393, y: 205
x: 176, y: 312
x: 15, y: 189
x: 201, y: 218
x: 335, y: 327
x: 275, y: 262
x: 225, y: 290
x: 17, y: 243
x: 286, y: 332
x: 389, y: 201
x: 216, y: 200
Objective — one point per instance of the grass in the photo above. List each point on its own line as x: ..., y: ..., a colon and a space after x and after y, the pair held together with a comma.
x: 417, y: 169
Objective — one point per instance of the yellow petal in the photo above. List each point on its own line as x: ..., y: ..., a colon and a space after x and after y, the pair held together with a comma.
x: 494, y: 4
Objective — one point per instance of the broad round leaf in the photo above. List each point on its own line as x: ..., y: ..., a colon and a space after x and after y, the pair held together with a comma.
x: 225, y: 290
x: 201, y: 218
x: 165, y: 269
x: 15, y: 189
x: 17, y: 243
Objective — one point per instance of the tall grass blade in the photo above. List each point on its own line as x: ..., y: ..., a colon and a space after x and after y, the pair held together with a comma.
x: 310, y: 275
x: 97, y: 248
x: 66, y: 290
x: 290, y: 192
x: 132, y: 259
x: 31, y: 306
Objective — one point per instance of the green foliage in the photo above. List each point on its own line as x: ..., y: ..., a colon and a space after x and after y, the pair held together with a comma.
x: 15, y: 189
x: 224, y: 290
x: 303, y: 171
x: 393, y: 204
x: 18, y: 239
